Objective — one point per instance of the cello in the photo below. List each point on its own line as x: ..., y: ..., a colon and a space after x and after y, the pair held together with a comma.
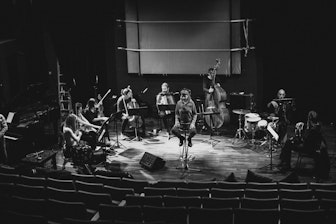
x: 215, y: 102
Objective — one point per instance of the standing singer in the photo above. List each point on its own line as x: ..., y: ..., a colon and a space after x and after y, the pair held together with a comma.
x: 164, y: 98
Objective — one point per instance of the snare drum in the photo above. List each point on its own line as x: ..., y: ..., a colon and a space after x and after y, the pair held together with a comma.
x: 251, y: 120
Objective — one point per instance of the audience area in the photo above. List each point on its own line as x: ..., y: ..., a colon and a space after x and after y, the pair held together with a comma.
x: 64, y: 197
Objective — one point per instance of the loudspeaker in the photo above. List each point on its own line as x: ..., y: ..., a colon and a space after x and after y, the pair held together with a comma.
x: 151, y: 162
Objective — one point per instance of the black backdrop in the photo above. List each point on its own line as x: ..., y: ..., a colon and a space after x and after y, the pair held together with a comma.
x: 291, y: 37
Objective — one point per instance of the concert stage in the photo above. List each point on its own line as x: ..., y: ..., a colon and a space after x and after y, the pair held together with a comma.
x: 227, y: 155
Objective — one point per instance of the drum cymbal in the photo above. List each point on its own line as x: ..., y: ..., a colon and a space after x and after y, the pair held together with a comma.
x: 253, y: 119
x: 272, y: 118
x: 241, y: 111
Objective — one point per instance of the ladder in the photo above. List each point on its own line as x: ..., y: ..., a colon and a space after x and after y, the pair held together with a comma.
x: 64, y: 96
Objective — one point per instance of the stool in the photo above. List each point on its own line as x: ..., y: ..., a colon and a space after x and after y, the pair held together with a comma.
x: 184, y: 157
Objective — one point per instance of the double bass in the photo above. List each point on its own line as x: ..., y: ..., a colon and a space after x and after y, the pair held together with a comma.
x: 215, y: 102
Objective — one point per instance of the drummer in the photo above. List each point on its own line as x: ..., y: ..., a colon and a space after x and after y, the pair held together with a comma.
x: 280, y: 111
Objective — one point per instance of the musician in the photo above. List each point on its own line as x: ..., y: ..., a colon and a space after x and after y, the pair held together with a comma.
x: 282, y: 111
x: 92, y: 114
x: 3, y: 129
x: 125, y: 102
x: 208, y: 83
x: 72, y: 135
x: 308, y: 138
x: 165, y: 97
x: 185, y: 116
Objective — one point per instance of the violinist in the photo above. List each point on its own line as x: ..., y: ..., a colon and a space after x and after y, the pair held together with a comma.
x: 125, y: 102
x: 165, y: 97
x: 91, y: 113
x: 185, y: 116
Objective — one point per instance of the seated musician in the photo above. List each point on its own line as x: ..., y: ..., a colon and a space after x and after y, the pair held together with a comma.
x: 92, y: 114
x: 125, y: 102
x: 72, y: 135
x: 282, y: 111
x: 3, y: 129
x: 308, y: 139
x: 185, y: 116
x: 165, y: 97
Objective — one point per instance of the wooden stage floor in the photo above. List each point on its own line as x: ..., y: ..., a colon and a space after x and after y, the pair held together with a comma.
x: 227, y: 155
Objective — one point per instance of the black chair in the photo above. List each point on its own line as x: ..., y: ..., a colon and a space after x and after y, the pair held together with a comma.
x: 326, y: 194
x: 120, y: 213
x: 184, y: 201
x: 32, y: 181
x: 296, y: 194
x: 156, y: 200
x: 58, y: 210
x: 221, y: 202
x: 260, y: 216
x: 150, y: 191
x: 210, y: 215
x: 28, y: 206
x: 176, y: 215
x: 92, y: 200
x: 226, y: 193
x: 109, y: 181
x: 327, y: 203
x: 261, y: 194
x: 322, y: 186
x: 30, y: 191
x: 118, y: 194
x: 299, y: 204
x: 61, y: 195
x: 169, y: 184
x: 293, y: 186
x: 262, y: 186
x: 200, y: 184
x: 60, y: 184
x: 137, y: 185
x: 9, y: 217
x: 89, y: 187
x: 9, y: 178
x: 268, y: 203
x: 84, y: 177
x: 204, y: 192
x: 230, y: 185
x: 292, y: 216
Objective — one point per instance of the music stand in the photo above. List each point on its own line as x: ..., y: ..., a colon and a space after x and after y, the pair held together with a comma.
x: 114, y: 118
x: 140, y: 111
x: 167, y: 107
x: 271, y: 136
x: 210, y: 140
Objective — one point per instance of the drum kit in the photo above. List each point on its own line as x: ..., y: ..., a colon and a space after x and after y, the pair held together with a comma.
x: 253, y: 123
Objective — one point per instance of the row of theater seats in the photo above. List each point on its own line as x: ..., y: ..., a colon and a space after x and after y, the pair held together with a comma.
x: 53, y: 211
x: 101, y: 198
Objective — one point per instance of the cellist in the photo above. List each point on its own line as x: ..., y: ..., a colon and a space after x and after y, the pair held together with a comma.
x: 125, y: 102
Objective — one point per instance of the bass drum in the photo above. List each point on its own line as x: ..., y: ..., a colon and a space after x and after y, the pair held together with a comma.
x: 83, y: 154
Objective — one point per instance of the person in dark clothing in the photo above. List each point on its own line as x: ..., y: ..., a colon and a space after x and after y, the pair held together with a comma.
x: 308, y: 139
x: 3, y: 129
x: 185, y: 117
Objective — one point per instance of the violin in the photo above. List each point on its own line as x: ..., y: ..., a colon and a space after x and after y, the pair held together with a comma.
x: 215, y: 103
x: 99, y: 106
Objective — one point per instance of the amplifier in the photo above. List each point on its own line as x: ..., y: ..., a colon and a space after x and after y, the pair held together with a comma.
x: 151, y: 162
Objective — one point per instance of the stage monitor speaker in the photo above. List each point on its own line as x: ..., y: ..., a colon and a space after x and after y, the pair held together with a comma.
x: 242, y: 101
x: 151, y: 162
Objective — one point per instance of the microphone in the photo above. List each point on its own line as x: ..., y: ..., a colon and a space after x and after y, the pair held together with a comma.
x: 143, y: 91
